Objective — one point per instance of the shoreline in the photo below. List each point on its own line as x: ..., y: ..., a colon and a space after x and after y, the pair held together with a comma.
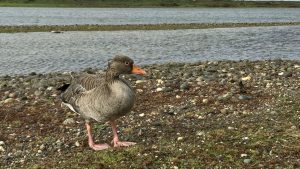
x: 186, y: 115
x: 96, y: 69
x: 62, y: 28
x: 163, y: 3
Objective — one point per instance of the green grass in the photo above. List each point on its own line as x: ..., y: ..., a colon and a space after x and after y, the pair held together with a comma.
x: 47, y: 28
x: 144, y: 3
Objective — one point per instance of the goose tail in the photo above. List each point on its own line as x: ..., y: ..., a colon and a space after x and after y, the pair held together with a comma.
x: 63, y: 87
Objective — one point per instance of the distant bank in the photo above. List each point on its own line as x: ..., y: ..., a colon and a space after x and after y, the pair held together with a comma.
x: 148, y: 3
x: 62, y: 28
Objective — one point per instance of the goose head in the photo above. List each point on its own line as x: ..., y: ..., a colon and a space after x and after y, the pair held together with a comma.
x: 123, y: 65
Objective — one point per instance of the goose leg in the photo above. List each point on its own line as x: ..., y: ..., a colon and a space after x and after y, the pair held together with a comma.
x: 91, y: 142
x: 115, y: 140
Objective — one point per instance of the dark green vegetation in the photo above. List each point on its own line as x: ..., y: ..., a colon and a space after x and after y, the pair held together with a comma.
x: 47, y: 28
x: 144, y: 3
x: 203, y: 125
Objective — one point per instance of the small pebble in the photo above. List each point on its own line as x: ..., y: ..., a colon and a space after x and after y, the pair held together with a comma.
x: 205, y: 101
x: 230, y: 128
x: 293, y: 128
x: 140, y: 81
x: 246, y: 78
x: 159, y: 89
x: 77, y: 144
x: 69, y: 121
x: 37, y: 93
x: 244, y: 155
x: 281, y: 73
x: 140, y: 90
x: 42, y: 147
x: 159, y: 81
x: 179, y: 138
x: 200, y: 133
x: 244, y: 97
x: 9, y: 100
x: 245, y: 138
x: 184, y: 86
x: 2, y: 149
x: 269, y: 85
x: 6, y: 93
x: 223, y: 111
x: 247, y: 161
x: 49, y: 88
x: 12, y: 95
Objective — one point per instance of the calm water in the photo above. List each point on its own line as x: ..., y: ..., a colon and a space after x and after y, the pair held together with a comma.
x: 22, y: 53
x: 70, y: 16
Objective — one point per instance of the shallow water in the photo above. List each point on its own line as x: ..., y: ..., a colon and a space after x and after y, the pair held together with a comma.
x: 104, y: 16
x: 43, y: 52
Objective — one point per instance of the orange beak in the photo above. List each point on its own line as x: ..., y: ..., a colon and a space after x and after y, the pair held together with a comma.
x: 137, y: 70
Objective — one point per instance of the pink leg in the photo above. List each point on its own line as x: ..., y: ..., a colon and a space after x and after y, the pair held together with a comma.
x: 115, y: 140
x: 91, y: 142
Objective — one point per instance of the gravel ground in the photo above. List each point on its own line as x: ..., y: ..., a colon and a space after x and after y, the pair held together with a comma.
x: 220, y: 114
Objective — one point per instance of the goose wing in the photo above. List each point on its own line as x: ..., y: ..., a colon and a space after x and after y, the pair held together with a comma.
x: 78, y: 87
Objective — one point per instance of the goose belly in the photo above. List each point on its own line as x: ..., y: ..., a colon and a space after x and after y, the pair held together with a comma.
x: 111, y: 106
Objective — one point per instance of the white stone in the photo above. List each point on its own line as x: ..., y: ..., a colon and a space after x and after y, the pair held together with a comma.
x: 2, y: 149
x: 245, y: 138
x: 9, y: 100
x: 200, y: 133
x: 140, y: 81
x: 199, y: 79
x: 205, y: 101
x: 2, y: 143
x: 142, y: 115
x: 77, y: 144
x: 12, y: 95
x: 269, y: 85
x: 246, y: 78
x: 179, y: 138
x: 69, y: 121
x: 42, y: 147
x: 6, y: 93
x: 230, y: 128
x: 159, y: 89
x: 50, y: 88
x: 244, y: 155
x: 159, y: 81
x: 140, y: 90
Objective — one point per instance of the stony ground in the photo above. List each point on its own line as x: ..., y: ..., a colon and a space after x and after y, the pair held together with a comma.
x: 222, y: 114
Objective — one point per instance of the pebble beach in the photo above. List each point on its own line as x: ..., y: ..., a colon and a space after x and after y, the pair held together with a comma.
x: 240, y: 114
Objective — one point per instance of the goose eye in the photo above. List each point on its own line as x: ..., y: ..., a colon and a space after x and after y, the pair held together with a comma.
x: 126, y: 63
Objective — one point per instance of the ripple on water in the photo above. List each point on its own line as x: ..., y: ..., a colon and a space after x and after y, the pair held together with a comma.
x: 44, y: 52
x: 112, y: 16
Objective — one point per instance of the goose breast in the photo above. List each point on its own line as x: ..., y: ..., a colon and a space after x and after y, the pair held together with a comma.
x: 108, y: 102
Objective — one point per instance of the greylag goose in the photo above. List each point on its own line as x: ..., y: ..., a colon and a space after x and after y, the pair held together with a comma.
x: 103, y: 97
